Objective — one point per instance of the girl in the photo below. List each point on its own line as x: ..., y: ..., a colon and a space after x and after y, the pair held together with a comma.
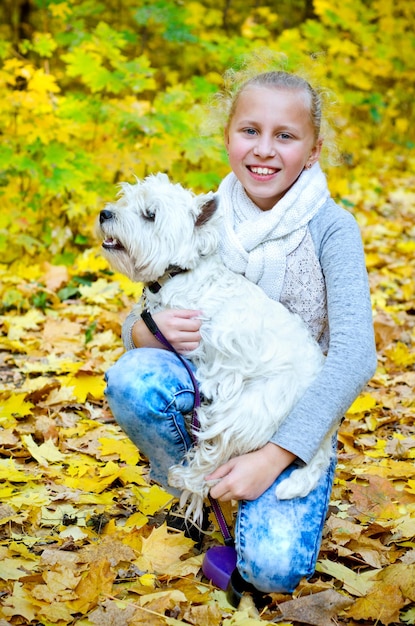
x: 283, y: 231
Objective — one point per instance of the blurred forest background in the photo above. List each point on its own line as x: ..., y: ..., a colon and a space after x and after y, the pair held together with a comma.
x: 92, y: 92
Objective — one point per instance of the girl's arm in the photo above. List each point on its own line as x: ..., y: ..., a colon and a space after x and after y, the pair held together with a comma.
x: 351, y: 358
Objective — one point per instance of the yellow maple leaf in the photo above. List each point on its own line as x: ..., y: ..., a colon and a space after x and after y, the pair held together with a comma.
x: 14, y: 569
x: 19, y: 324
x: 161, y: 549
x: 363, y: 403
x: 9, y: 471
x: 30, y: 496
x: 85, y: 384
x: 44, y: 454
x: 123, y: 448
x: 128, y: 287
x: 100, y: 291
x: 57, y: 612
x: 151, y: 499
x: 355, y: 583
x: 15, y: 405
x: 382, y: 604
x: 132, y: 474
x: 19, y: 603
x: 90, y: 483
x: 401, y: 355
x: 97, y: 581
x: 184, y: 567
x: 136, y: 520
x: 91, y: 261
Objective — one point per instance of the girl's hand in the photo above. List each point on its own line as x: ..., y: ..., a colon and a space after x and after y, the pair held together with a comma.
x: 248, y: 476
x: 181, y: 327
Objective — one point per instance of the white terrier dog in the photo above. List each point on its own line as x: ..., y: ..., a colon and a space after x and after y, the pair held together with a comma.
x: 255, y: 359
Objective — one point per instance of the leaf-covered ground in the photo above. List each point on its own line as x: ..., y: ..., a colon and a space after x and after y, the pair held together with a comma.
x: 83, y: 537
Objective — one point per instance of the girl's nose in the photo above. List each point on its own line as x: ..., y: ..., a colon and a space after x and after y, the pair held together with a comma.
x: 264, y: 147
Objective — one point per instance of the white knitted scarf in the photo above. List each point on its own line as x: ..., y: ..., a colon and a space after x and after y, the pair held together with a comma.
x: 255, y: 242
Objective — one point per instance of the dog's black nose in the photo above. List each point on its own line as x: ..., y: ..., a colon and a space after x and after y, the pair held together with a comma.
x: 105, y: 215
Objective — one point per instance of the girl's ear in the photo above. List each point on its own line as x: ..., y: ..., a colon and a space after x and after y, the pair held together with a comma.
x: 207, y: 211
x: 315, y: 153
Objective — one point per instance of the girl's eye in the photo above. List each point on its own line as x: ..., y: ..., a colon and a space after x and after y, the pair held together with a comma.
x: 284, y: 136
x: 250, y: 131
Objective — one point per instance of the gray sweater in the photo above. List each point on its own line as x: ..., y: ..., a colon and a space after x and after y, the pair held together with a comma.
x: 351, y: 355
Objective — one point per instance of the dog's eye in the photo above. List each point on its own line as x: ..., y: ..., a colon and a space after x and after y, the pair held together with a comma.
x: 149, y: 215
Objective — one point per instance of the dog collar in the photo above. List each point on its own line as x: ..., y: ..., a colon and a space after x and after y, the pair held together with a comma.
x: 171, y: 272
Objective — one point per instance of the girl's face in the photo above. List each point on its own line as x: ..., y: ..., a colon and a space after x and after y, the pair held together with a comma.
x: 269, y: 139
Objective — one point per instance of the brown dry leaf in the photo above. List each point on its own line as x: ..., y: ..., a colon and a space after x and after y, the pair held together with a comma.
x: 62, y: 336
x: 59, y: 586
x: 343, y: 530
x: 386, y: 329
x: 316, y: 609
x: 204, y: 615
x: 111, y: 549
x: 55, y: 276
x: 378, y: 499
x: 372, y: 551
x: 111, y: 613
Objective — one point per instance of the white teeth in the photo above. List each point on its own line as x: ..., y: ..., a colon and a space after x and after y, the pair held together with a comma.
x: 262, y: 170
x: 111, y: 243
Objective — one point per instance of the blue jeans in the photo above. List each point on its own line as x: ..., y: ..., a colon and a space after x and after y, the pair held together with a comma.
x: 277, y: 541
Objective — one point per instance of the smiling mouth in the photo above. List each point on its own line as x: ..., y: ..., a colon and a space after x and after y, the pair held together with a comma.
x: 112, y: 244
x: 262, y: 171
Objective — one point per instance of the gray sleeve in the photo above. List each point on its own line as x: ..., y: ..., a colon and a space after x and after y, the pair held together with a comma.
x: 127, y: 328
x: 351, y: 358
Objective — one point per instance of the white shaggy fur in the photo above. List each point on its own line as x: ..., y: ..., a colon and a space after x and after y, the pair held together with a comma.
x: 255, y: 359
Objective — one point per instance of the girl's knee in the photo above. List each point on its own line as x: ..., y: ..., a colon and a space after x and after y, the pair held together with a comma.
x: 147, y: 381
x: 276, y: 572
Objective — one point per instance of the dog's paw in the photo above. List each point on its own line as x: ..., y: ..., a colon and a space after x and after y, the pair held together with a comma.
x: 175, y: 477
x: 291, y: 488
x: 183, y: 478
x: 192, y: 503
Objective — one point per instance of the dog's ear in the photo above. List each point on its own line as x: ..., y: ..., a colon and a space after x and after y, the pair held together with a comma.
x: 207, y: 211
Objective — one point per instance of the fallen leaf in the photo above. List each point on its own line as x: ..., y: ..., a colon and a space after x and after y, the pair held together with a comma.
x: 355, y: 583
x: 111, y: 613
x: 96, y: 582
x: 44, y: 454
x: 316, y: 609
x: 161, y: 550
x: 382, y: 605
